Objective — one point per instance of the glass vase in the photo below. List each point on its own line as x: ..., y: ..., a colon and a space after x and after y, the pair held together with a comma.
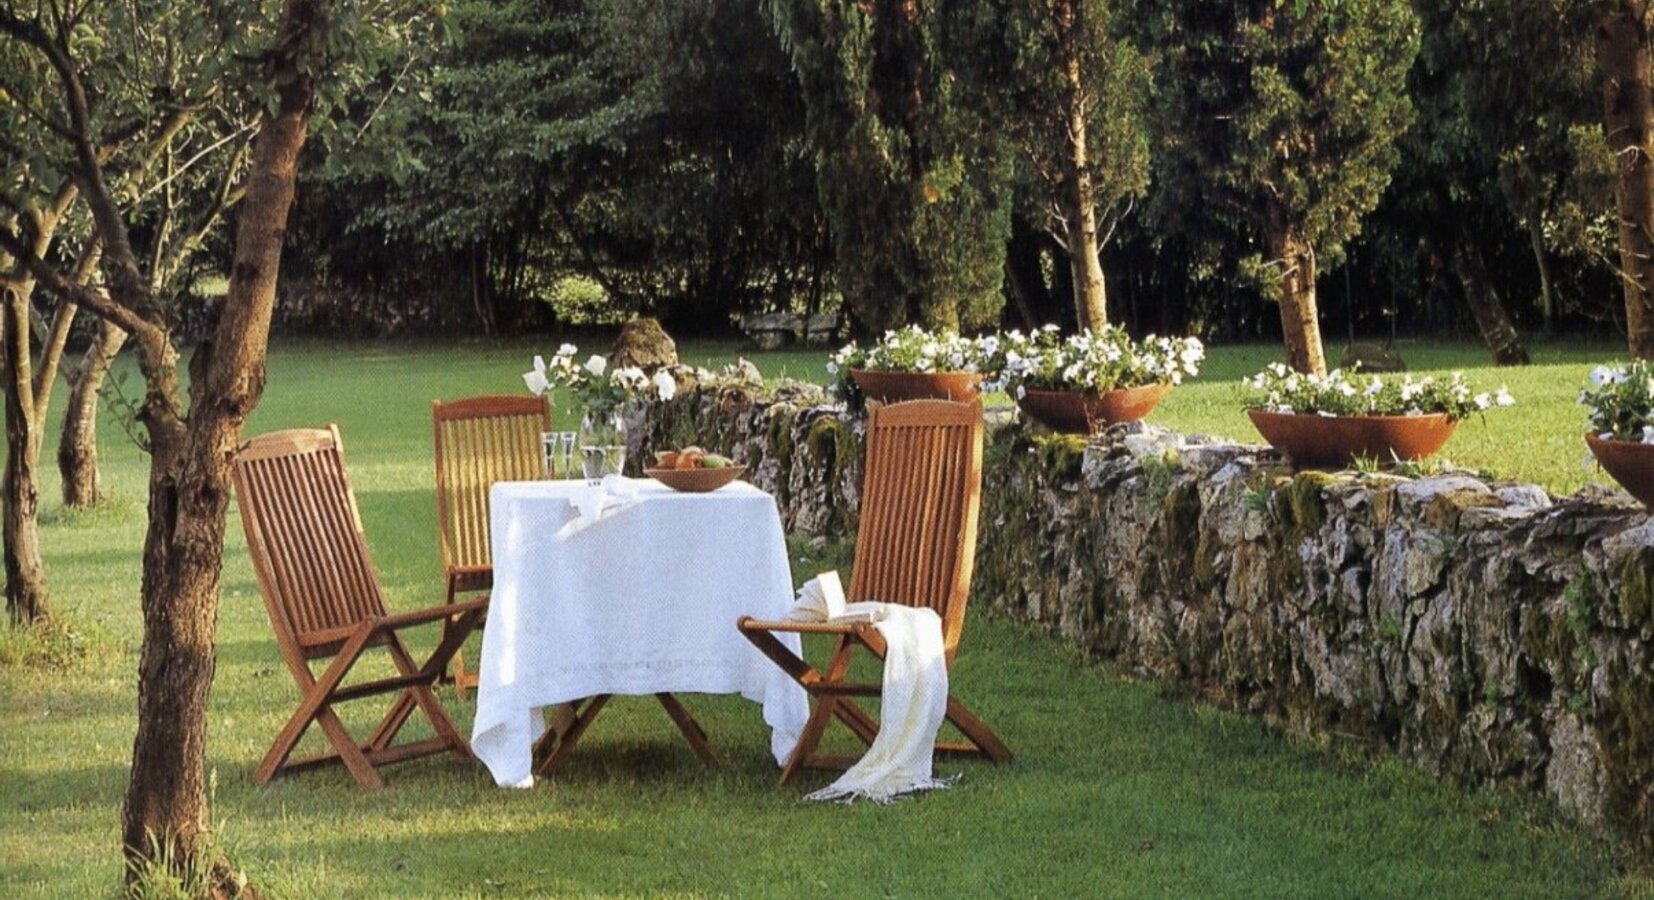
x: 602, y: 443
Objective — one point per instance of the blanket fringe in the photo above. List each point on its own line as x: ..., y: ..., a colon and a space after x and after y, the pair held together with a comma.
x: 884, y: 798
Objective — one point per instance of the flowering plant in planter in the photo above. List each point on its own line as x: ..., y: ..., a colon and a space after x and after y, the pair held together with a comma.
x: 909, y: 351
x: 599, y: 388
x: 1090, y: 362
x: 1620, y: 402
x: 1278, y: 389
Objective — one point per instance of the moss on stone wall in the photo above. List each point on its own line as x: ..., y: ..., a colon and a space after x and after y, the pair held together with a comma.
x: 1636, y: 594
x: 1511, y: 645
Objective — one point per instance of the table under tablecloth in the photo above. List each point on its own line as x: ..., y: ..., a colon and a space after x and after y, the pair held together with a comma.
x: 642, y: 599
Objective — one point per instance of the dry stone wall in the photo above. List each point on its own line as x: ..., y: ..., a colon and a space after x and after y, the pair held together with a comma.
x: 1484, y: 631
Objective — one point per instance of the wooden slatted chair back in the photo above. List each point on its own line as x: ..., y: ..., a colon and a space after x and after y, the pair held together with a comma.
x: 304, y: 534
x: 479, y: 441
x: 916, y: 544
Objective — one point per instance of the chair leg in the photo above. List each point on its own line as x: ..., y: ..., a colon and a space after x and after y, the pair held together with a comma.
x: 349, y: 753
x: 827, y: 708
x: 692, y: 731
x: 421, y: 694
x: 313, y: 707
x: 460, y: 681
x: 565, y: 743
x: 392, y: 722
x: 808, y: 739
x: 978, y: 732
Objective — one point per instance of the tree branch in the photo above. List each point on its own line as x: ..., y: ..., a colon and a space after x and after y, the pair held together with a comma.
x: 57, y: 337
x: 95, y: 300
x: 126, y: 282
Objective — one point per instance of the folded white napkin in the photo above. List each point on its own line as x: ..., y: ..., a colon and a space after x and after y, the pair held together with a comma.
x: 613, y: 490
x: 913, y: 702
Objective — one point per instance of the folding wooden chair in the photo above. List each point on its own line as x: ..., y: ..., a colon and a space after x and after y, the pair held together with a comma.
x: 305, y: 538
x: 916, y: 545
x: 480, y: 440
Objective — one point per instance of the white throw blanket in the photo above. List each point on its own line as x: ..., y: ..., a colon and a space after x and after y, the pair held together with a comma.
x: 913, y: 703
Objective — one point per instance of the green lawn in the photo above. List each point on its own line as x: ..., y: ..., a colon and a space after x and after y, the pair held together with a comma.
x: 1119, y: 789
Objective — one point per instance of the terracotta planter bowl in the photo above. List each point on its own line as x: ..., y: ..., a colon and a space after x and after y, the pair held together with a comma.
x: 1077, y: 412
x: 1631, y: 463
x: 894, y: 387
x: 1313, y: 440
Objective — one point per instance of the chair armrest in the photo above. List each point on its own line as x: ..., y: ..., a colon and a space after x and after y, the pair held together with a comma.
x: 470, y: 578
x: 429, y: 614
x: 748, y: 623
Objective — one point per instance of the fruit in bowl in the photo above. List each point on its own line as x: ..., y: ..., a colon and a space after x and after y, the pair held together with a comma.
x: 693, y: 469
x: 691, y: 457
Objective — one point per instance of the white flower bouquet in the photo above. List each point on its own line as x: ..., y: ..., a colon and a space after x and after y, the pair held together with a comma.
x: 594, y: 384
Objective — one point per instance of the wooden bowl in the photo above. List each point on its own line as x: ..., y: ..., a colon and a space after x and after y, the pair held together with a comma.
x: 696, y: 480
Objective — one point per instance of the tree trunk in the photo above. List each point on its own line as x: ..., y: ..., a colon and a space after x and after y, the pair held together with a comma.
x: 1628, y: 119
x: 26, y: 593
x: 1495, y: 323
x: 1079, y: 197
x: 165, y: 810
x: 77, y: 448
x: 1026, y: 274
x: 1547, y: 283
x: 26, y: 394
x: 1300, y: 320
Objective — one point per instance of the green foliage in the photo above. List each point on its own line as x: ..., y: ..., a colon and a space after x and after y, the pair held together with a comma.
x: 578, y: 300
x: 910, y: 172
x: 47, y: 644
x: 1506, y: 150
x: 650, y: 148
x: 1620, y: 401
x: 1281, y: 114
x: 1114, y: 85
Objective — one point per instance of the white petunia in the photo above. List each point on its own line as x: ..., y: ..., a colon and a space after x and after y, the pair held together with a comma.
x: 665, y: 385
x: 1502, y: 397
x: 597, y: 365
x: 1602, y: 376
x: 567, y: 350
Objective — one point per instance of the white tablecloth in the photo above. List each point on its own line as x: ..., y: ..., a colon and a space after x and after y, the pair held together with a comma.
x: 640, y: 600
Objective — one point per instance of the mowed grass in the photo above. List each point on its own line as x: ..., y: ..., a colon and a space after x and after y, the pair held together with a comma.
x: 1119, y: 789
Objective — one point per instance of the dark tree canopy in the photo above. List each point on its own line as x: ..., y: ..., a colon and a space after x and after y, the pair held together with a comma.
x: 911, y: 174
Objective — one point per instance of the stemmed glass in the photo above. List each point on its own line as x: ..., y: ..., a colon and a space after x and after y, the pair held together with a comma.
x: 557, y: 449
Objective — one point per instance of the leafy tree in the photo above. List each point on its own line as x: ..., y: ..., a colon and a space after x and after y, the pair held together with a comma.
x: 1282, y: 119
x: 1080, y: 90
x: 157, y: 102
x: 1486, y: 162
x: 651, y: 148
x: 191, y: 444
x: 911, y: 174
